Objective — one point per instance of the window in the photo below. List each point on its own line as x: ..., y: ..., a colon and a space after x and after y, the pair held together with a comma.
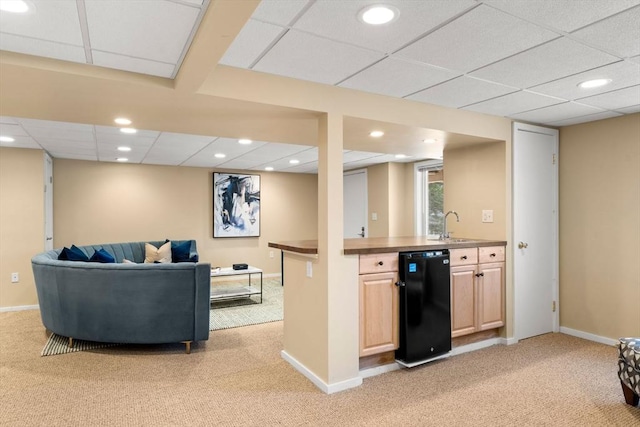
x: 429, y: 196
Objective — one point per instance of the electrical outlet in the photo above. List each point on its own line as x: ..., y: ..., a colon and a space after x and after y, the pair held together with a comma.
x: 270, y: 254
x: 487, y: 215
x: 15, y: 278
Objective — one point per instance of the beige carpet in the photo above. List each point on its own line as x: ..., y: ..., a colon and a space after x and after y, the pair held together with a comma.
x: 238, y: 378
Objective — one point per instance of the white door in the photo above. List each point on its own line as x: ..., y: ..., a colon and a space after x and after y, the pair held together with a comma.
x: 355, y: 204
x: 48, y: 202
x: 535, y: 230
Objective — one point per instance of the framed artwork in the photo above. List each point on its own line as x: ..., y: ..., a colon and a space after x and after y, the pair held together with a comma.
x: 236, y: 205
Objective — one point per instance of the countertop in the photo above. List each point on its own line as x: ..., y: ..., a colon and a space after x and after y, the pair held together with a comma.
x: 374, y: 245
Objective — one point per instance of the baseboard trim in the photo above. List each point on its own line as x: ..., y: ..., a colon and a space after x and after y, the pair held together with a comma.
x: 588, y: 336
x: 475, y: 346
x: 378, y: 370
x: 509, y: 341
x: 317, y: 381
x: 19, y: 308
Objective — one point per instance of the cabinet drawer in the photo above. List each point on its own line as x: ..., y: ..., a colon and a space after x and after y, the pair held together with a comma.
x: 378, y: 263
x: 463, y: 256
x: 491, y: 254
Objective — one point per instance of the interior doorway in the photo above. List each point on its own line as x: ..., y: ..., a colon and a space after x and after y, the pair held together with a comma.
x: 535, y: 230
x: 355, y: 204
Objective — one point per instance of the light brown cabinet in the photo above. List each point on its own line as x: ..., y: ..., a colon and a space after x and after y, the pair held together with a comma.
x: 477, y: 289
x: 379, y: 309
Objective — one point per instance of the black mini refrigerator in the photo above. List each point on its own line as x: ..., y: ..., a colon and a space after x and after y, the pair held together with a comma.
x: 425, y: 307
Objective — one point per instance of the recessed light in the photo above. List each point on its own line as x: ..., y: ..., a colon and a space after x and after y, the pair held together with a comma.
x: 401, y: 156
x: 122, y: 159
x: 294, y: 161
x: 219, y: 155
x: 269, y: 168
x: 429, y: 140
x: 6, y: 139
x: 590, y: 84
x: 14, y: 6
x: 244, y: 141
x: 376, y: 134
x: 123, y: 121
x: 124, y: 148
x: 128, y: 130
x: 378, y: 14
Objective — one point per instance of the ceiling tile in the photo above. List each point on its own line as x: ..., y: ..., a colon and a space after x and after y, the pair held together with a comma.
x: 629, y: 110
x: 175, y: 148
x: 623, y: 74
x: 43, y: 48
x: 307, y: 57
x: 338, y: 20
x: 74, y: 156
x: 513, y: 103
x: 461, y: 91
x: 44, y: 134
x: 21, y: 142
x: 395, y: 77
x: 135, y: 65
x: 616, y: 99
x: 105, y: 131
x: 195, y: 2
x: 55, y: 21
x: 565, y: 15
x: 556, y: 113
x: 306, y: 155
x: 253, y: 39
x: 29, y: 124
x: 8, y: 120
x: 279, y: 12
x: 227, y: 146
x: 481, y: 36
x: 556, y: 59
x: 635, y: 59
x: 160, y: 29
x: 13, y: 130
x: 619, y: 34
x: 352, y: 156
x: 584, y: 119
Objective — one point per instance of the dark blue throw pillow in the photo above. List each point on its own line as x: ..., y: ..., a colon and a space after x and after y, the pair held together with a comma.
x: 180, y: 252
x: 102, y: 256
x: 72, y: 254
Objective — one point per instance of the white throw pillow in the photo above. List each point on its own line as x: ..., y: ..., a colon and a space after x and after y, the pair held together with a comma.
x: 126, y: 261
x: 161, y: 254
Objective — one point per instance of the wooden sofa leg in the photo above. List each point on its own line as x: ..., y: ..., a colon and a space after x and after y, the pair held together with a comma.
x: 629, y: 396
x: 70, y: 342
x: 187, y: 345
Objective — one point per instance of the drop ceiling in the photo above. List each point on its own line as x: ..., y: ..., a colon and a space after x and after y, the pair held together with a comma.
x: 519, y: 59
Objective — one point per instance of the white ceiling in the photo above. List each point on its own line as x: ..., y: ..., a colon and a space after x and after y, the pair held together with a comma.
x: 520, y: 59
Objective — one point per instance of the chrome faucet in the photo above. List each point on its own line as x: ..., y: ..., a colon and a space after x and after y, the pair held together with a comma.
x: 445, y: 233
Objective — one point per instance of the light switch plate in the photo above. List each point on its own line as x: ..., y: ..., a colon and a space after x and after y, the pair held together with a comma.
x: 374, y: 216
x: 309, y: 269
x: 487, y: 215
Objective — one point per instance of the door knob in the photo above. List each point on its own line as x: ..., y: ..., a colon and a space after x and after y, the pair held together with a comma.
x: 523, y: 245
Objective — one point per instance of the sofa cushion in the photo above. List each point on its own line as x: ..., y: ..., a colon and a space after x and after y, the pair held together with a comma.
x: 102, y: 256
x: 181, y: 252
x: 73, y: 254
x: 157, y: 255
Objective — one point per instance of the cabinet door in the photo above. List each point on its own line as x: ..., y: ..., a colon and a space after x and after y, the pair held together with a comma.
x: 463, y: 306
x: 491, y: 295
x: 378, y: 313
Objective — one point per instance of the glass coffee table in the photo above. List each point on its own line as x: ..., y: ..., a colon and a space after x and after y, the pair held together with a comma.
x: 222, y: 293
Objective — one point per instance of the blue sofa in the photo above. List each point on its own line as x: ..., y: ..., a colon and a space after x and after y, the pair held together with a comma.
x: 124, y: 302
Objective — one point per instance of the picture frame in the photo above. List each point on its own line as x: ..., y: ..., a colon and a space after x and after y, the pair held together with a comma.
x: 236, y: 205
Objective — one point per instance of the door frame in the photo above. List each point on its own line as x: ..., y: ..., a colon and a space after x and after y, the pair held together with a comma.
x: 48, y: 202
x: 555, y: 290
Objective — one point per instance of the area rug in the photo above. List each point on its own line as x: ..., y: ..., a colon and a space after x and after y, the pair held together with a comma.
x: 248, y: 311
x: 223, y: 315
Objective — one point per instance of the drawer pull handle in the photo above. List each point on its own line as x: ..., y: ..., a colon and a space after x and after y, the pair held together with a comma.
x: 480, y: 275
x: 492, y: 255
x: 380, y: 263
x: 463, y: 257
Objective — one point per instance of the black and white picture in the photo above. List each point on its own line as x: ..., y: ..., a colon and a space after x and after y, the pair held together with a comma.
x: 236, y: 205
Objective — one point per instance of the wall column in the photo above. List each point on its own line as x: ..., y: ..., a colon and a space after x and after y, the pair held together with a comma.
x: 339, y: 273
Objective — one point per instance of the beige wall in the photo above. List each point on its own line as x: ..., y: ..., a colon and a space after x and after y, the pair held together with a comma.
x: 390, y: 194
x: 113, y: 202
x: 475, y: 179
x: 378, y: 197
x: 21, y: 222
x: 600, y: 227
